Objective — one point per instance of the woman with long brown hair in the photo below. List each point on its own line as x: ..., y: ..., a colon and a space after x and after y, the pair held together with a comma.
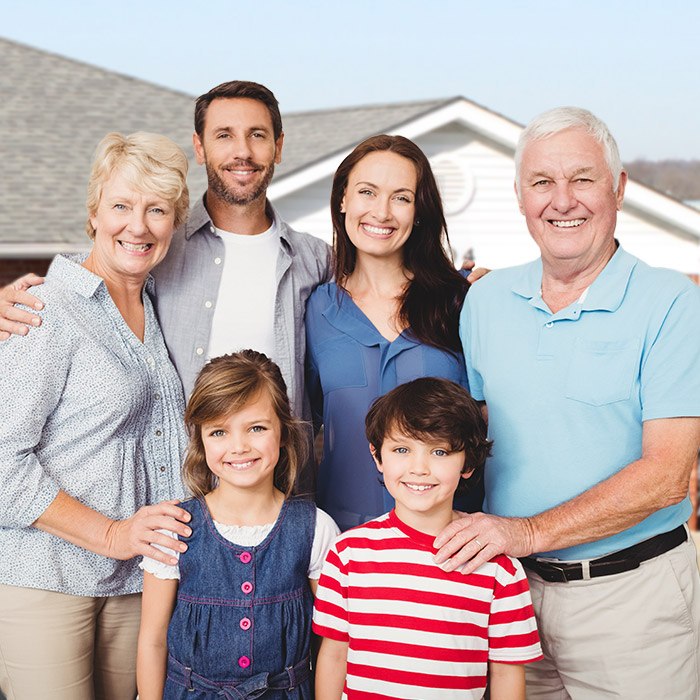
x: 389, y: 317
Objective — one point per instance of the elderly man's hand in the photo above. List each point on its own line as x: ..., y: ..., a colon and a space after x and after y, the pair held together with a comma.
x: 17, y: 321
x: 474, y: 539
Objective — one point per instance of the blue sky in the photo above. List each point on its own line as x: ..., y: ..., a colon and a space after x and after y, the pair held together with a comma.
x: 635, y: 63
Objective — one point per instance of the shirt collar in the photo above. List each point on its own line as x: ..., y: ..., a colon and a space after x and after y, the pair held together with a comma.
x: 199, y: 218
x: 605, y: 293
x: 72, y: 275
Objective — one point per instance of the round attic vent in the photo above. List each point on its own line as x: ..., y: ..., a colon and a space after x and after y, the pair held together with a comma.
x: 456, y: 184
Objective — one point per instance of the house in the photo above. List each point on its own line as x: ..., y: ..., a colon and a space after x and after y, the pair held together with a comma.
x: 55, y: 110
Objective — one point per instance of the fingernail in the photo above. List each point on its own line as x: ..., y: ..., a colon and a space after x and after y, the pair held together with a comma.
x: 36, y: 321
x: 188, y: 531
x: 39, y: 306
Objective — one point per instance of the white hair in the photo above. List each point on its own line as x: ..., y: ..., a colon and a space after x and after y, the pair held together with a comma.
x: 561, y: 118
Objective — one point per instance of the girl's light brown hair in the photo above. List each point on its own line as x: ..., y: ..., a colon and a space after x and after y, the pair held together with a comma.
x: 225, y: 386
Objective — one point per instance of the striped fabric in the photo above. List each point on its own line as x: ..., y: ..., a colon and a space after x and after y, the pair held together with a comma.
x: 415, y: 631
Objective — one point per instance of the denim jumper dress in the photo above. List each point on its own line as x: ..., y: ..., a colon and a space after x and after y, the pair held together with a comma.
x: 241, y: 627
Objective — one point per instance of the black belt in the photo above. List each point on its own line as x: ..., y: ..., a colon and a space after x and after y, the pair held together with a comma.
x: 615, y: 563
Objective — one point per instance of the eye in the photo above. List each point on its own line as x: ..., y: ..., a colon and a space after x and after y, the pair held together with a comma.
x: 216, y: 433
x: 366, y: 192
x: 258, y: 429
x: 258, y: 134
x: 403, y: 198
x: 222, y: 135
x: 439, y: 452
x: 157, y: 210
x: 540, y: 183
x: 401, y: 450
x: 583, y: 181
x: 120, y: 207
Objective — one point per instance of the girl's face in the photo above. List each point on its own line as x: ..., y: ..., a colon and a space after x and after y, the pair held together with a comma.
x: 243, y: 448
x: 379, y: 204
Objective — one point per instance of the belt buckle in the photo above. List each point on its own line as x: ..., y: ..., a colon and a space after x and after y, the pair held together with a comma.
x: 561, y: 570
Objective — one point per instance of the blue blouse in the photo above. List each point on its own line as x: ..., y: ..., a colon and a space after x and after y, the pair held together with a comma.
x: 349, y: 364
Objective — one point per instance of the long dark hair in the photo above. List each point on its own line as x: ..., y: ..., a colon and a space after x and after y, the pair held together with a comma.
x: 432, y: 300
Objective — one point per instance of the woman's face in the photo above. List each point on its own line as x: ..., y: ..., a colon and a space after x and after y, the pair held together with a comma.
x: 132, y: 231
x: 379, y: 204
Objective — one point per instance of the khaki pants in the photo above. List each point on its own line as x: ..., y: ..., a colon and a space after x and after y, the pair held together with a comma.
x: 634, y: 635
x: 63, y: 647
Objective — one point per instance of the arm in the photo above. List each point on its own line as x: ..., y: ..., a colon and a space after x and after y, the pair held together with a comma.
x: 157, y: 607
x: 71, y: 520
x: 331, y: 669
x: 658, y: 479
x: 506, y: 681
x: 17, y: 321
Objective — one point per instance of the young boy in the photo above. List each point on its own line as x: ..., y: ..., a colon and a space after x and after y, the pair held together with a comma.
x: 394, y: 624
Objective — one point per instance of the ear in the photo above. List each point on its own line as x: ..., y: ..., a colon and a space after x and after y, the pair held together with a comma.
x: 278, y: 148
x: 517, y: 196
x: 376, y: 456
x: 466, y: 472
x: 198, y: 148
x: 620, y: 194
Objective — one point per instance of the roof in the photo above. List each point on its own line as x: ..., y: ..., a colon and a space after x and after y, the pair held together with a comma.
x: 55, y: 110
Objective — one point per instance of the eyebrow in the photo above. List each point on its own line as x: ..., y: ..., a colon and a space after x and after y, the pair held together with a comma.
x: 544, y: 174
x: 371, y: 184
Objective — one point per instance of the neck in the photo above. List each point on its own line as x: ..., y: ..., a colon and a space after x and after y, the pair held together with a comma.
x: 430, y: 523
x: 563, y: 284
x: 379, y: 277
x: 240, y: 507
x: 244, y: 219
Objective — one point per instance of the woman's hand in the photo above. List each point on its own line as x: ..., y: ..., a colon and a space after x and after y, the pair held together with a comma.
x: 72, y: 520
x: 135, y: 536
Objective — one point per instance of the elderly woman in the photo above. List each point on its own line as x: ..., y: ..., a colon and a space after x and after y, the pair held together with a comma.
x: 90, y: 434
x: 390, y: 316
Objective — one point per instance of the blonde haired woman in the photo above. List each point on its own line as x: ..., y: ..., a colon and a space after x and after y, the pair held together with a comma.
x: 91, y: 434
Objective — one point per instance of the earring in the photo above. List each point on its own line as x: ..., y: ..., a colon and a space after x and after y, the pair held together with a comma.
x: 416, y: 222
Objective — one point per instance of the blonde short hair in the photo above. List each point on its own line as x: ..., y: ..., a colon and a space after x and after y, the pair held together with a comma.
x: 150, y: 162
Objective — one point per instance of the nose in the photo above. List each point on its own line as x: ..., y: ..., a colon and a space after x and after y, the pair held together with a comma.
x: 419, y: 465
x: 238, y: 443
x: 137, y: 222
x: 563, y: 197
x: 241, y: 149
x: 381, y: 209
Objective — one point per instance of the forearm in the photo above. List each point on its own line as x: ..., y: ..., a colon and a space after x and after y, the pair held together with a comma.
x: 657, y: 480
x: 506, y: 681
x: 75, y: 522
x: 151, y: 670
x: 331, y: 669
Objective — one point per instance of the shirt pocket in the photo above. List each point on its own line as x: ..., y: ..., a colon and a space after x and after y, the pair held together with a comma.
x: 602, y: 372
x: 341, y: 365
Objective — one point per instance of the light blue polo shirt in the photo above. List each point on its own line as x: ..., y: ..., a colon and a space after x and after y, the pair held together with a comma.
x: 567, y: 393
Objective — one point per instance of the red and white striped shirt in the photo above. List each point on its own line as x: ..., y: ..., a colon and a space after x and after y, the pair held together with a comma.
x: 414, y: 630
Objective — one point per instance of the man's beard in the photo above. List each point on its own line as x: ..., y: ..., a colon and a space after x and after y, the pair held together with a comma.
x: 221, y: 190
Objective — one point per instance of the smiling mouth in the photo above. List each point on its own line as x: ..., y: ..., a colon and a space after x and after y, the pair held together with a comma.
x: 378, y: 230
x: 571, y: 223
x: 135, y: 247
x: 418, y: 488
x: 240, y: 466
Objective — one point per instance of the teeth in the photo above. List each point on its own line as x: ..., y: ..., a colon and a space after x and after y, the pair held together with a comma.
x: 378, y: 231
x: 419, y: 487
x: 240, y: 465
x: 568, y: 224
x: 135, y: 248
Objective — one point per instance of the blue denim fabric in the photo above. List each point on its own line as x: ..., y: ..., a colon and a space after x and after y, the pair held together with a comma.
x: 242, y: 612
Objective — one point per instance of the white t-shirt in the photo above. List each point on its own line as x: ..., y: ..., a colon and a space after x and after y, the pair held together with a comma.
x: 244, y: 310
x: 250, y: 536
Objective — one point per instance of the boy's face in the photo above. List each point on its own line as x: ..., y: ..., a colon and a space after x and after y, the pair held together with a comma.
x: 421, y: 476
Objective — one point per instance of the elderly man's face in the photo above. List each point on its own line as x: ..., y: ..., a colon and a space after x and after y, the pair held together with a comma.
x: 567, y: 197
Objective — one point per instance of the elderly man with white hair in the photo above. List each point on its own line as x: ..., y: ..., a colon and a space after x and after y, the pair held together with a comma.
x: 588, y: 361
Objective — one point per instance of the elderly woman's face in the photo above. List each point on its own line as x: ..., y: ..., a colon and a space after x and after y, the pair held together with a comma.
x: 132, y: 230
x: 379, y: 204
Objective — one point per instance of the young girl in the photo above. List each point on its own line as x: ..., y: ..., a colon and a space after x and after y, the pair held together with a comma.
x: 237, y: 623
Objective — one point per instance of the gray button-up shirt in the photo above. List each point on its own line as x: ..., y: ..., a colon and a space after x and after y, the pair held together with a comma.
x: 187, y: 287
x: 88, y: 409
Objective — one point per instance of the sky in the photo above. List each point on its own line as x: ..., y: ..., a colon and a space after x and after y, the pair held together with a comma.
x: 635, y: 63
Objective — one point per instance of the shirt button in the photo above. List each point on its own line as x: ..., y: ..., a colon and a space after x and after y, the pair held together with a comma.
x: 245, y: 557
x: 158, y: 433
x: 212, y: 229
x: 217, y: 261
x: 162, y: 469
x: 549, y: 324
x: 245, y: 623
x: 244, y: 662
x: 150, y: 361
x: 157, y: 397
x: 200, y: 351
x: 207, y: 304
x: 247, y: 587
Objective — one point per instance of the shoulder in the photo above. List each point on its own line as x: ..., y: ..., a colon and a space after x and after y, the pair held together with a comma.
x: 303, y: 242
x: 661, y: 281
x: 323, y: 296
x: 325, y: 523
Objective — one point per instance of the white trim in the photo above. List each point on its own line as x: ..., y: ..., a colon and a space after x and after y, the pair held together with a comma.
x: 41, y: 250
